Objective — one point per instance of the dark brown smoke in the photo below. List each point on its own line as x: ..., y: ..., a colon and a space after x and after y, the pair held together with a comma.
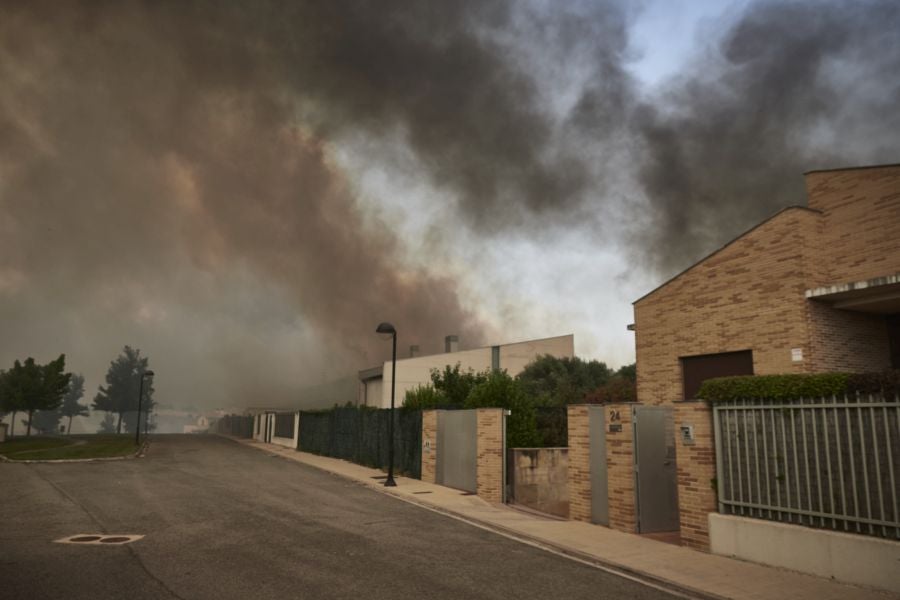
x: 168, y: 175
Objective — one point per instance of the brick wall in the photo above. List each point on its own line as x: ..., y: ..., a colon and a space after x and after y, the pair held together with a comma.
x: 861, y: 216
x: 842, y: 340
x: 579, y: 470
x: 696, y: 470
x: 489, y: 470
x: 620, y: 469
x: 429, y: 445
x: 749, y: 295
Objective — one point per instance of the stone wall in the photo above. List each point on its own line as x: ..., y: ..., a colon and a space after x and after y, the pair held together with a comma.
x: 539, y: 479
x: 429, y: 445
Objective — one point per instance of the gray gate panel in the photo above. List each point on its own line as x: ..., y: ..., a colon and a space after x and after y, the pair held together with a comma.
x: 599, y: 478
x: 656, y: 475
x: 457, y: 441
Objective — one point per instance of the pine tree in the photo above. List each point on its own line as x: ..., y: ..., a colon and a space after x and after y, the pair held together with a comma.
x: 123, y: 380
x: 35, y: 387
x: 70, y: 406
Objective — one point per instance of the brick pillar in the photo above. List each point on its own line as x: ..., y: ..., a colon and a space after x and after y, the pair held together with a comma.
x: 429, y: 445
x: 620, y: 467
x: 696, y: 472
x: 579, y: 474
x: 489, y: 452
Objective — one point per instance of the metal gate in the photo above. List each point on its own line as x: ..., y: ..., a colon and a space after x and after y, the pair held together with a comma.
x: 457, y: 439
x: 656, y: 483
x: 599, y: 477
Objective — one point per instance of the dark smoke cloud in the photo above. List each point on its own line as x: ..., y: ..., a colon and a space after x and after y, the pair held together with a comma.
x: 791, y: 87
x: 167, y: 169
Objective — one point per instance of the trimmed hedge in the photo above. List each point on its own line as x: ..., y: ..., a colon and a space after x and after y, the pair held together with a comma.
x: 795, y: 386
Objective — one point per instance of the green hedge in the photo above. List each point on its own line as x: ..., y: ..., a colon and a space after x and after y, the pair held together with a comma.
x: 792, y: 387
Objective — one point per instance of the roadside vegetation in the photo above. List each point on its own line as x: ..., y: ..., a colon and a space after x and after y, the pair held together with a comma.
x: 69, y: 447
x: 537, y: 397
x: 49, y: 398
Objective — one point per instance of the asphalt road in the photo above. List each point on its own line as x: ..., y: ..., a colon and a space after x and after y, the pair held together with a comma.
x: 225, y: 521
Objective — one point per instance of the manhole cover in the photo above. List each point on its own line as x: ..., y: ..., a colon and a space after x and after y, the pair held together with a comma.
x: 98, y: 539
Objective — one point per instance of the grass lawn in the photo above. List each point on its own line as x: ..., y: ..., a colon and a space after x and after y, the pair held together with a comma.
x: 76, y: 446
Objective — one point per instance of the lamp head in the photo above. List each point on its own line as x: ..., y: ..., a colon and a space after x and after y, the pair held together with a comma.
x: 386, y: 328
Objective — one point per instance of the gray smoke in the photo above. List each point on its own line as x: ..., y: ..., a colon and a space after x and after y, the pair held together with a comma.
x: 167, y: 169
x: 791, y: 87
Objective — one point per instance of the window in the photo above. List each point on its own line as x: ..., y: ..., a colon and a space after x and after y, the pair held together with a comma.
x: 697, y: 369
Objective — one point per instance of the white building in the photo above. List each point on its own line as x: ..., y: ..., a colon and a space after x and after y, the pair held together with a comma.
x: 375, y: 383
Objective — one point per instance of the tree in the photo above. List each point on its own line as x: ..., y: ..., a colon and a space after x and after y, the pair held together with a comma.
x: 455, y: 384
x: 554, y: 381
x: 628, y: 372
x: 499, y: 390
x: 45, y: 421
x: 123, y: 381
x: 108, y: 424
x: 9, y: 403
x: 70, y: 406
x: 423, y: 397
x: 37, y: 387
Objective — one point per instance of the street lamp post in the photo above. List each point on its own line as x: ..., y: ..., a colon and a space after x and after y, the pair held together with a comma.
x: 387, y: 328
x: 137, y: 427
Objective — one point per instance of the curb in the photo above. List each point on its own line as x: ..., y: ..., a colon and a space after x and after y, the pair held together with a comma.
x: 139, y: 453
x: 636, y: 575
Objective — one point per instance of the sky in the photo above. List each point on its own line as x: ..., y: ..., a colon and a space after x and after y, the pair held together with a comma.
x: 244, y: 191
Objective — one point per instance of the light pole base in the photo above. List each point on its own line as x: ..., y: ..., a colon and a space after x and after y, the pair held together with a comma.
x: 389, y: 482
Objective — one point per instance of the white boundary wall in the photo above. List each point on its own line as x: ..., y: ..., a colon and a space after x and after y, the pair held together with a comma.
x: 845, y: 557
x: 289, y: 442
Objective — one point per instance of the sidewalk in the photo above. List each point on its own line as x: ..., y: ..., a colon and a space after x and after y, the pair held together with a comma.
x: 673, y: 568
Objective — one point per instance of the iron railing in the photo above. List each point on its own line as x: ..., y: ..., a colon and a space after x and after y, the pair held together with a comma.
x: 826, y: 462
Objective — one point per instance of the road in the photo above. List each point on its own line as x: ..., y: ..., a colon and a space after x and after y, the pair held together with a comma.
x: 221, y: 521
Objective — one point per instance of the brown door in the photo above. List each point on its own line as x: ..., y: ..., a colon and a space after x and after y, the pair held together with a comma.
x: 697, y: 369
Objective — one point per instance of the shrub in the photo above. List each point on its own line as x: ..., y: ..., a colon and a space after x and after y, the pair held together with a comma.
x: 499, y: 390
x: 554, y: 381
x: 424, y: 397
x: 773, y: 387
x: 455, y: 384
x: 795, y: 386
x: 617, y: 389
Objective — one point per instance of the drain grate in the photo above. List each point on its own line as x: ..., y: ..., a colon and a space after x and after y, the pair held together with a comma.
x: 98, y: 539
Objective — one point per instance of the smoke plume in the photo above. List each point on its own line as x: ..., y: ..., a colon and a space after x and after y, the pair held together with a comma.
x: 791, y: 87
x: 168, y: 170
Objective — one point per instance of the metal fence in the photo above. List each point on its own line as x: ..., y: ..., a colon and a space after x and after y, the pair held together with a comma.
x: 284, y: 425
x: 360, y: 435
x: 827, y: 462
x: 236, y: 425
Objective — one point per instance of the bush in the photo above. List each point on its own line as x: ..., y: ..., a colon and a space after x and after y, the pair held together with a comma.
x: 886, y: 382
x: 499, y: 390
x: 773, y: 387
x: 553, y: 381
x: 617, y: 389
x: 795, y: 386
x: 424, y: 397
x: 455, y: 384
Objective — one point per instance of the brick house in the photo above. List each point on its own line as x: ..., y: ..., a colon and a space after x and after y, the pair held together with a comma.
x: 812, y: 289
